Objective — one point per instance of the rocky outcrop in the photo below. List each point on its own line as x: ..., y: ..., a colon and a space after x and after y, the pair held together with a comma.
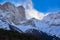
x: 21, y: 10
x: 29, y: 22
x: 16, y: 14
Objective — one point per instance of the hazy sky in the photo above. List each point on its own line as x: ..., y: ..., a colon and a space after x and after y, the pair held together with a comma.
x: 41, y: 5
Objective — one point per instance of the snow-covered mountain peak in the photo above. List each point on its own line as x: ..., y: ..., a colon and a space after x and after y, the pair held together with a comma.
x: 7, y: 3
x: 17, y: 14
x: 52, y: 18
x: 29, y: 18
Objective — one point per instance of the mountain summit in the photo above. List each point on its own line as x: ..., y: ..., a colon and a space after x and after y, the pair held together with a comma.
x: 15, y: 18
x: 17, y: 14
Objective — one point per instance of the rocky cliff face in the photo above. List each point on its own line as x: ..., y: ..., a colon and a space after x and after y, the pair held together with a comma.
x: 21, y: 10
x: 16, y: 14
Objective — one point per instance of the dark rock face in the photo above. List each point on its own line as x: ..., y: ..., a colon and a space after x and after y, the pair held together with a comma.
x: 21, y: 10
x: 15, y: 28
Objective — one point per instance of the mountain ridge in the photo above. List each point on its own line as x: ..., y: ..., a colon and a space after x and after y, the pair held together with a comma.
x: 17, y: 15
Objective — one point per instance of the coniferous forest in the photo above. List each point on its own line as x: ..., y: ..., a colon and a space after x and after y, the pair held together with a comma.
x: 12, y: 35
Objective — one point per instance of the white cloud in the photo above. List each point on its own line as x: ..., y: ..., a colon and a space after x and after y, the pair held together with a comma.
x: 31, y: 12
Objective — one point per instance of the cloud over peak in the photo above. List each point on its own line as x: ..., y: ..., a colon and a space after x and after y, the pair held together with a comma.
x: 31, y: 12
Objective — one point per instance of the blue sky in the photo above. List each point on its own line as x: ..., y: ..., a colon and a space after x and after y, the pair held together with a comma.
x: 47, y: 5
x: 41, y: 5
